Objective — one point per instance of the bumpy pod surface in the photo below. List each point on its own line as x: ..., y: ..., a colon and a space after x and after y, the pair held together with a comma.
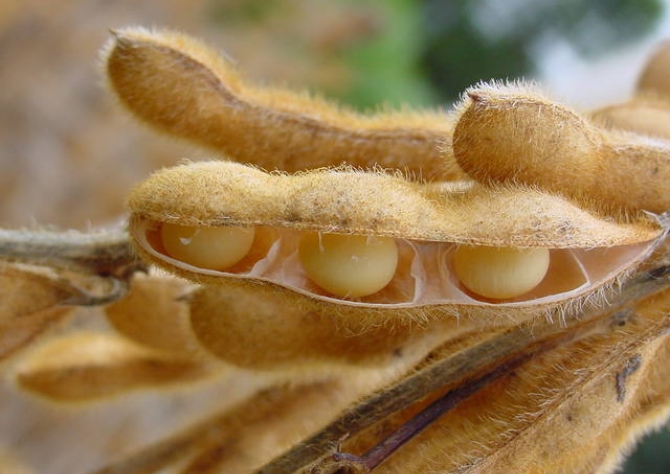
x: 510, y: 135
x: 180, y: 86
x: 267, y: 327
x: 428, y: 223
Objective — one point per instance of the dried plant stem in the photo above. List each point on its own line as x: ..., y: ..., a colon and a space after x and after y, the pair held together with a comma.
x: 432, y: 412
x: 107, y: 253
x: 469, y: 365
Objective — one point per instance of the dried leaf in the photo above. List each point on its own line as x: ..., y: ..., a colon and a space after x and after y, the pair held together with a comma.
x: 25, y: 291
x: 30, y: 302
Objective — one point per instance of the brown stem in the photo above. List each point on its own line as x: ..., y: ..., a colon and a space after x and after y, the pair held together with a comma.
x: 439, y: 407
x: 104, y: 254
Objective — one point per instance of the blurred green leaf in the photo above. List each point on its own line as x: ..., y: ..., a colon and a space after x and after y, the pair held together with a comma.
x: 470, y: 41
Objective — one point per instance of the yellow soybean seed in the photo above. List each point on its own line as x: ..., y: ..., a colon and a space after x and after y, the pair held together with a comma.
x: 349, y: 265
x: 216, y: 248
x: 500, y: 272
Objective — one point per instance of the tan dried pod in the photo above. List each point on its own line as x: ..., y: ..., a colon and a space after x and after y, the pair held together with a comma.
x: 646, y: 115
x: 511, y: 135
x: 648, y: 112
x: 178, y: 85
x: 573, y: 409
x: 655, y: 79
x: 155, y: 313
x: 266, y: 327
x: 428, y: 224
x: 89, y: 366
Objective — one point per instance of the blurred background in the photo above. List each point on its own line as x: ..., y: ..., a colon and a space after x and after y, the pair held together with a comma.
x: 68, y: 156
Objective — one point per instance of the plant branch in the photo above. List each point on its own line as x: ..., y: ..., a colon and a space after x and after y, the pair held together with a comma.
x: 104, y: 254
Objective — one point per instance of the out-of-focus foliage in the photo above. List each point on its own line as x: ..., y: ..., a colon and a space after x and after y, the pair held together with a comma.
x: 651, y: 456
x: 363, y: 52
x: 385, y: 67
x: 469, y: 41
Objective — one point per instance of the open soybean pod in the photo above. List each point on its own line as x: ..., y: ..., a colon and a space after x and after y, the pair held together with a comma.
x: 374, y: 251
